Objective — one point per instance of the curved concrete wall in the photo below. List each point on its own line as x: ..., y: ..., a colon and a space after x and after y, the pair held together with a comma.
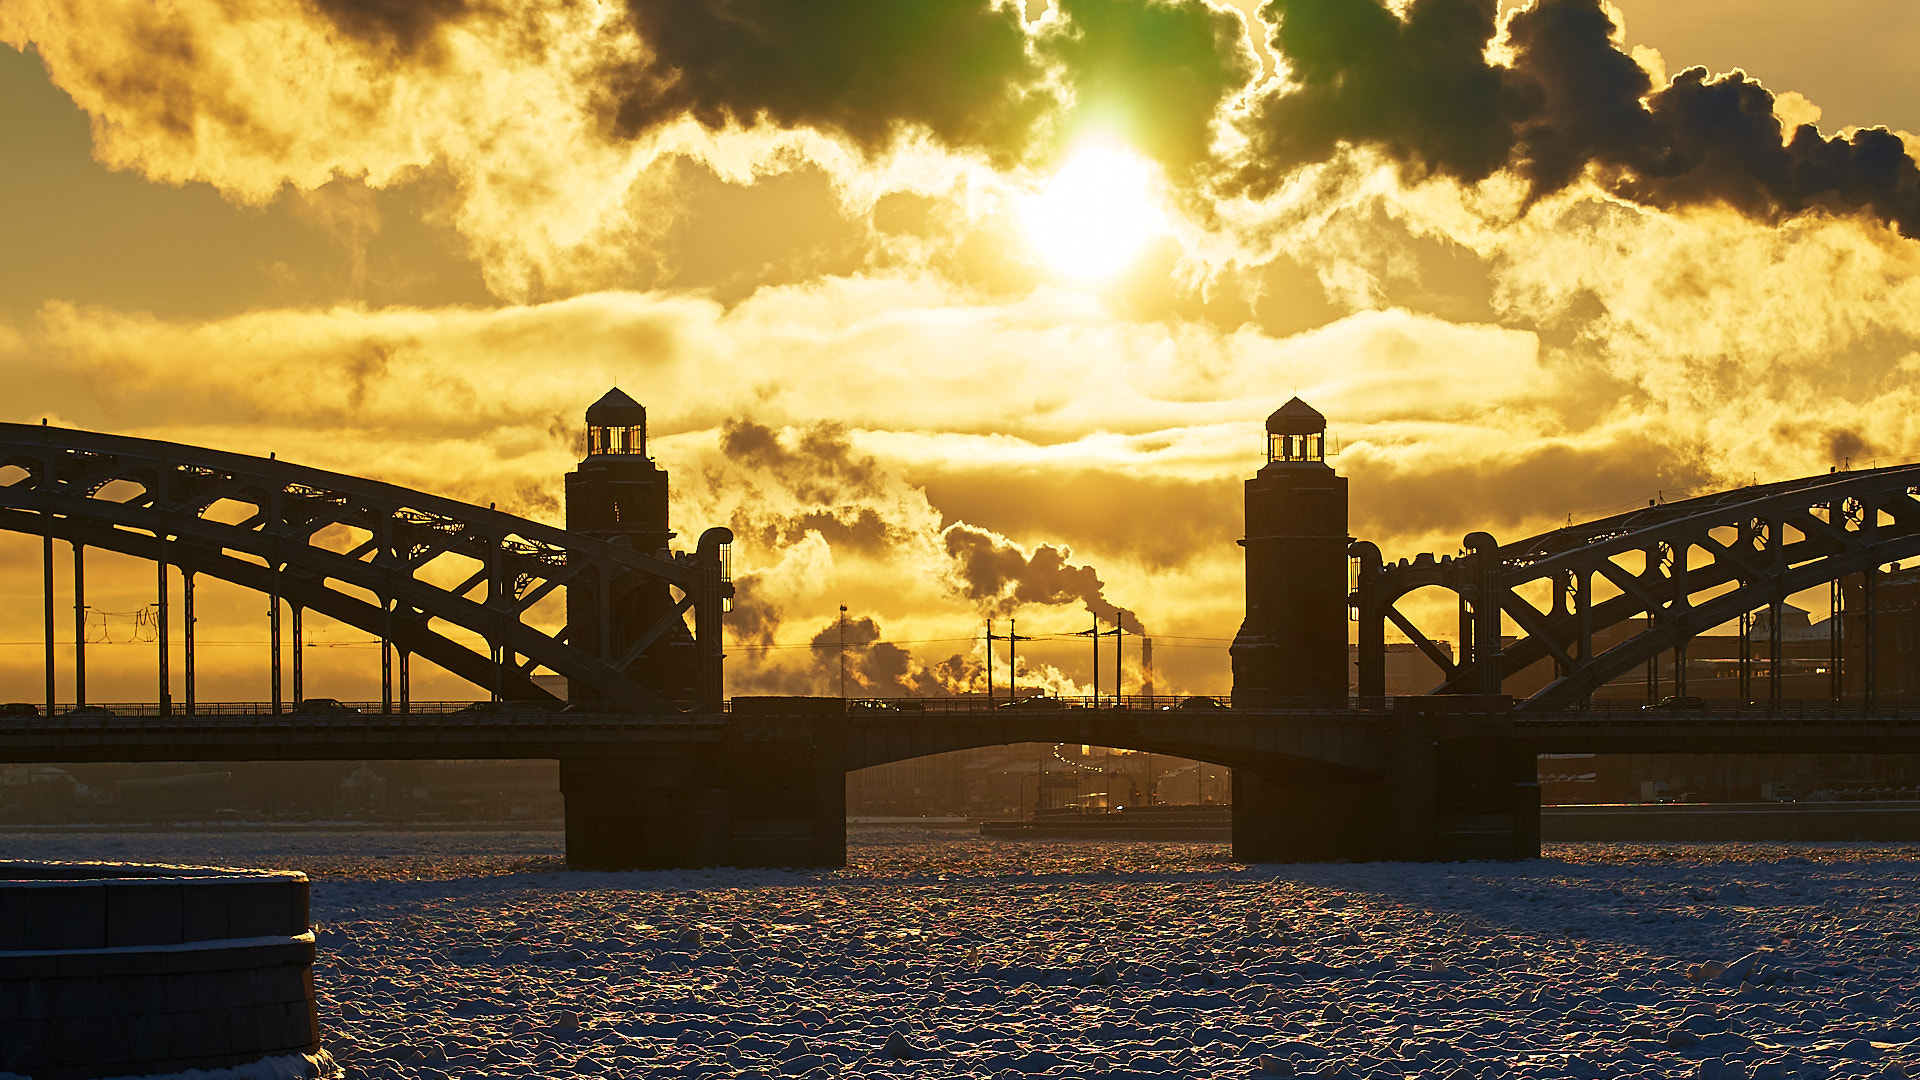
x: 110, y: 969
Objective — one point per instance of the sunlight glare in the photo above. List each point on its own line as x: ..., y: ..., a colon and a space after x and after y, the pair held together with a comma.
x: 1095, y: 215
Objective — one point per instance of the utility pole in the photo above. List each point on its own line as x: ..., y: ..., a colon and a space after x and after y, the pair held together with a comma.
x: 991, y: 638
x: 843, y: 652
x: 1095, y: 632
x: 79, y: 625
x: 1013, y: 668
x: 1094, y: 636
x: 1118, y: 633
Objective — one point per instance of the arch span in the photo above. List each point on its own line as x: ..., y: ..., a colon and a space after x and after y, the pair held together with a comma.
x: 153, y: 499
x: 1328, y: 748
x: 1686, y: 566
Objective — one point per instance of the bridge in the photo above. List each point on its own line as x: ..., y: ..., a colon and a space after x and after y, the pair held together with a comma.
x: 658, y: 765
x: 659, y: 769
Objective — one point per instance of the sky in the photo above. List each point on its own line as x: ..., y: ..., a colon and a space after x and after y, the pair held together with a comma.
x: 960, y: 309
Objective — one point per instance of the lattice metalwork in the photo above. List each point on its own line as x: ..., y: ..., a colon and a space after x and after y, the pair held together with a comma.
x: 278, y: 528
x: 1687, y: 567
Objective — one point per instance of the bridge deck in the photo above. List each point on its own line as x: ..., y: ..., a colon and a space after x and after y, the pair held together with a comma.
x: 321, y: 737
x: 1346, y: 735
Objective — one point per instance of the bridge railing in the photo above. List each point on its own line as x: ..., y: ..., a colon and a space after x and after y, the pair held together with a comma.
x: 256, y: 708
x: 454, y: 726
x: 1710, y: 709
x: 1189, y: 704
x: 904, y: 707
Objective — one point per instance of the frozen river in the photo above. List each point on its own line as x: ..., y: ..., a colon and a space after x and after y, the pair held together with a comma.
x: 940, y: 953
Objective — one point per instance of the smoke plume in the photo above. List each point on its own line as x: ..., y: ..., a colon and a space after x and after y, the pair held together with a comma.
x: 877, y: 668
x: 996, y: 574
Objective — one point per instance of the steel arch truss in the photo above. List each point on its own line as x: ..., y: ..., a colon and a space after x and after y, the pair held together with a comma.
x: 1687, y: 567
x: 277, y: 527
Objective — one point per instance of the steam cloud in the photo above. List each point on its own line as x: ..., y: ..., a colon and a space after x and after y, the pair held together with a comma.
x: 809, y: 497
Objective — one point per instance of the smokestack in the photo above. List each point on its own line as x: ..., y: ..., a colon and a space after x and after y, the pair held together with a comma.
x: 1146, y: 666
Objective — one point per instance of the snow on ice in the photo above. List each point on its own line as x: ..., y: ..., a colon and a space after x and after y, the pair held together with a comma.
x: 942, y: 954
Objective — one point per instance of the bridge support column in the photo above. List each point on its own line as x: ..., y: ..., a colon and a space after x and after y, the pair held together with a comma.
x: 1285, y: 820
x: 79, y: 625
x: 1461, y: 785
x: 662, y: 808
x: 772, y: 793
x: 1456, y: 786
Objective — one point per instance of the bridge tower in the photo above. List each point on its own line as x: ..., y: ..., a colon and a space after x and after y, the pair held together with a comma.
x: 1293, y: 642
x: 619, y: 495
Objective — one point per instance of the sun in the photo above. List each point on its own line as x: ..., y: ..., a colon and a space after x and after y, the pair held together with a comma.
x: 1095, y: 215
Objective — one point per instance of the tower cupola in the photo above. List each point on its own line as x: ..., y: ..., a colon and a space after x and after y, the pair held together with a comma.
x: 617, y: 424
x: 1297, y: 434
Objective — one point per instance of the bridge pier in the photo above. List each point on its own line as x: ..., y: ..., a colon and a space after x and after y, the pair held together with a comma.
x: 1457, y: 785
x: 771, y: 793
x: 1283, y: 820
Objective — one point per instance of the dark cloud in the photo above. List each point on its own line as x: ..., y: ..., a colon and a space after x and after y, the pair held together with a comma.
x: 403, y: 24
x: 752, y: 620
x: 820, y: 467
x: 1718, y: 141
x: 1420, y: 87
x: 958, y: 68
x: 1002, y: 578
x: 1154, y: 71
x: 1844, y: 446
x: 853, y: 528
x: 874, y: 668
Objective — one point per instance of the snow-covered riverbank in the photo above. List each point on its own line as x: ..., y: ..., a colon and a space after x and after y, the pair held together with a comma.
x: 943, y: 954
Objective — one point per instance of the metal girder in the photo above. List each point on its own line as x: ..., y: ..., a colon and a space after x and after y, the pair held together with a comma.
x: 61, y: 473
x: 1836, y: 516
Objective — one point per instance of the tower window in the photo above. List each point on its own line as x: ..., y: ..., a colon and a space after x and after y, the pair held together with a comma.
x: 616, y: 440
x: 1310, y: 447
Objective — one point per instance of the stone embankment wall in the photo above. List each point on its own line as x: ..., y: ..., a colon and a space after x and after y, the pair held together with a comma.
x: 113, y: 970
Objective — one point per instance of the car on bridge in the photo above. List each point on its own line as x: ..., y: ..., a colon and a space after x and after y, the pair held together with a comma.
x: 19, y: 708
x: 1040, y: 701
x: 513, y: 708
x: 1676, y: 703
x: 865, y: 705
x: 1198, y: 702
x: 324, y: 706
x: 90, y: 712
x: 623, y: 708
